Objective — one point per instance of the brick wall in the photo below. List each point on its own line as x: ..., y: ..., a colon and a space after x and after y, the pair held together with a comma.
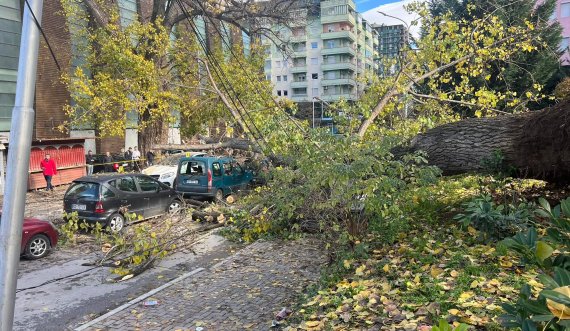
x: 51, y: 94
x: 111, y: 144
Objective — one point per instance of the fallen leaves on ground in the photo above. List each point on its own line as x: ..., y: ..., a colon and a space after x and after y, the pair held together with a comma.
x: 427, y: 275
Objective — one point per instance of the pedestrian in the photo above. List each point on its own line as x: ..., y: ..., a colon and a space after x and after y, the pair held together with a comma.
x: 149, y: 158
x: 49, y: 170
x: 108, y: 160
x: 90, y: 161
x: 136, y: 158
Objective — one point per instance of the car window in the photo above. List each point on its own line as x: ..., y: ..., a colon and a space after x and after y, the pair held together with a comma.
x: 126, y: 184
x: 227, y: 168
x: 107, y: 193
x: 217, y: 169
x: 237, y: 170
x: 147, y: 184
x: 83, y: 190
x: 193, y: 168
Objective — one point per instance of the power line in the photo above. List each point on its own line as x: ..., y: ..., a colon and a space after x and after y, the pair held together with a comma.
x: 217, y: 71
x: 43, y: 34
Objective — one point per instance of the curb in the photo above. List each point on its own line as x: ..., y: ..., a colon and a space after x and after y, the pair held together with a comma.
x: 138, y: 299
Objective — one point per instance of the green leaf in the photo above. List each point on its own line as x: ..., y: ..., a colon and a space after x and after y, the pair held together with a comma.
x: 528, y: 325
x: 543, y: 250
x: 562, y: 276
x: 544, y: 204
x: 555, y: 296
x: 565, y: 205
x: 548, y: 281
x: 542, y: 318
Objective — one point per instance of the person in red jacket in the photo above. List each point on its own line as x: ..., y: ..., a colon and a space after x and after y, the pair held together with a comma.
x: 49, y: 169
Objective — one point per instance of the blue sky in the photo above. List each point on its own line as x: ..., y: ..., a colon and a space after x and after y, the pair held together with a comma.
x: 364, y: 5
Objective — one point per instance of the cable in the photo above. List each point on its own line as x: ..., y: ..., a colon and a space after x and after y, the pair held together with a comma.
x: 43, y: 34
x: 218, y: 72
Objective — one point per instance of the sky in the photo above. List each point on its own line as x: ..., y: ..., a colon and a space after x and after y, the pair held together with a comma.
x: 365, y: 5
x: 370, y: 8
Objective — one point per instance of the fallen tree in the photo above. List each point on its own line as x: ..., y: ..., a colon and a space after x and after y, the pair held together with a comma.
x: 536, y: 144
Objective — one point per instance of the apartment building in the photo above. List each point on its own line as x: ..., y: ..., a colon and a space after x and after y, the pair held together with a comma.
x: 562, y: 15
x: 391, y: 39
x: 323, y: 55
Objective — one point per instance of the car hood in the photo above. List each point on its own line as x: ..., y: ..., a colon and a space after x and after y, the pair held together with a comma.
x: 158, y: 170
x: 34, y: 221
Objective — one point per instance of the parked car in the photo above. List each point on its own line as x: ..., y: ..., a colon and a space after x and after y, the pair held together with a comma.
x: 165, y: 170
x: 100, y: 198
x: 210, y: 176
x: 38, y: 238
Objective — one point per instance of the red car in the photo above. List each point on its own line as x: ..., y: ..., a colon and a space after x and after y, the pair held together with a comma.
x: 38, y: 238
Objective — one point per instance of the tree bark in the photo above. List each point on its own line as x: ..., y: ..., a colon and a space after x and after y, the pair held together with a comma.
x: 536, y: 144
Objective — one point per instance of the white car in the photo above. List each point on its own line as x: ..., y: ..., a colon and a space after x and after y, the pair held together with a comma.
x: 165, y: 169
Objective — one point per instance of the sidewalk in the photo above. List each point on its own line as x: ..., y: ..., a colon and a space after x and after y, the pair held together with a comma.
x: 243, y: 292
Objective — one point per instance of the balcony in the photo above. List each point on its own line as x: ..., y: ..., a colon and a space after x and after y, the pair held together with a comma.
x: 300, y: 97
x: 338, y: 50
x: 299, y: 84
x: 299, y: 53
x: 338, y: 81
x: 339, y: 35
x: 336, y: 97
x: 332, y: 3
x: 297, y: 69
x: 337, y: 18
x: 338, y: 66
x: 298, y: 39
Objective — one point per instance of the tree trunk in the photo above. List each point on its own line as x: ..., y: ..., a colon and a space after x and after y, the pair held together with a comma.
x: 536, y: 144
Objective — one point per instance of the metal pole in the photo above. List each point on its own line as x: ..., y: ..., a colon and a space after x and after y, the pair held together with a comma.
x: 18, y: 164
x: 313, y: 112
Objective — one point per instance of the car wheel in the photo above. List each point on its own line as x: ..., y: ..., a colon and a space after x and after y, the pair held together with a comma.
x: 174, y: 206
x: 116, y: 223
x: 37, y: 247
x: 219, y: 195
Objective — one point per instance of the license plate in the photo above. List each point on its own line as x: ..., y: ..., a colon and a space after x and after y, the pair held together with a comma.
x: 78, y: 207
x: 191, y: 181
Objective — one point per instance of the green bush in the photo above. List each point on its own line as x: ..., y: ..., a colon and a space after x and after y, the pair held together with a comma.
x: 497, y: 221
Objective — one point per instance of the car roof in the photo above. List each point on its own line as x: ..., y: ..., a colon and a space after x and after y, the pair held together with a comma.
x: 102, y: 178
x: 206, y: 158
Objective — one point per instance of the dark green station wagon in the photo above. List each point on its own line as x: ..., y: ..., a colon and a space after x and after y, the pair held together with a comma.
x: 210, y: 176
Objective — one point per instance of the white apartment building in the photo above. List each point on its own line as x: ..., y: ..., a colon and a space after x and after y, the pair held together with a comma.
x: 323, y: 55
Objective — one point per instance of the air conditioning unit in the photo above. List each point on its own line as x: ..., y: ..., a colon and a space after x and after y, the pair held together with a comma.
x: 325, y: 88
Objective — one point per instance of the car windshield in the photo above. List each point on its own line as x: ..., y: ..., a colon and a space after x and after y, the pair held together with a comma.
x: 171, y: 160
x: 83, y: 190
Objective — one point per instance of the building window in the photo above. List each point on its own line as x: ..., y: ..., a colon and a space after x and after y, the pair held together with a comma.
x: 268, y: 77
x: 285, y: 92
x: 277, y: 64
x: 278, y: 78
x: 268, y: 64
x: 314, y: 45
x: 284, y: 78
x: 279, y: 93
x: 331, y: 44
x: 315, y: 76
x: 564, y: 44
x: 314, y: 61
x: 316, y: 92
x: 565, y: 9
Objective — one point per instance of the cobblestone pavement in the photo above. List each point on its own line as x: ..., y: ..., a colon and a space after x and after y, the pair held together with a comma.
x: 244, y: 292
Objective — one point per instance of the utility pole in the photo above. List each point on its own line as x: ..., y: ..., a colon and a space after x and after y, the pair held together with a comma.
x: 18, y: 162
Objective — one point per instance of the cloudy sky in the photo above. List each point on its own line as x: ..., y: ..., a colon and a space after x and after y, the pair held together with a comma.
x: 370, y: 9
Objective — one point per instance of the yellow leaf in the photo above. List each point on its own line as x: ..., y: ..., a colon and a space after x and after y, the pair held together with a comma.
x: 453, y: 312
x: 474, y: 284
x: 435, y: 271
x: 386, y: 268
x: 560, y: 310
x: 454, y: 273
x: 360, y: 270
x: 312, y: 324
x: 346, y: 264
x: 471, y: 230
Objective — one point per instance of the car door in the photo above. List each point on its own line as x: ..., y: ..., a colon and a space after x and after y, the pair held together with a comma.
x: 238, y: 175
x: 151, y: 192
x: 130, y: 195
x: 192, y: 177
